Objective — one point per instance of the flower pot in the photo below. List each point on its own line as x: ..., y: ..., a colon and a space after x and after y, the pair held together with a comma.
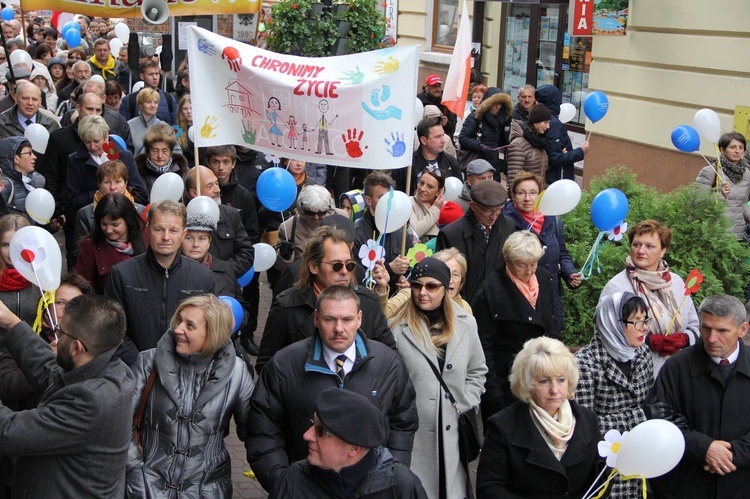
x: 344, y: 27
x: 339, y: 48
x: 339, y: 9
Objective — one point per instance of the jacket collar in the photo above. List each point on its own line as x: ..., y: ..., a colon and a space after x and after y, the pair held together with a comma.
x: 315, y: 361
x: 156, y: 266
x: 701, y: 363
x: 459, y: 317
x: 613, y: 373
x: 89, y: 370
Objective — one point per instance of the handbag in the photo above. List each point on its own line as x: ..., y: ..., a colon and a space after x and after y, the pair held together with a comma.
x: 469, y: 437
x: 138, y: 419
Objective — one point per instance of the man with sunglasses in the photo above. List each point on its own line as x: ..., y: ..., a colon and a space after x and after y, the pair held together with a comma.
x: 479, y: 235
x: 337, y: 355
x: 345, y: 457
x: 75, y: 443
x: 326, y: 261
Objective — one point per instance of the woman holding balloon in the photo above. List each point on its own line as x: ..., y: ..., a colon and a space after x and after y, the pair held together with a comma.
x: 522, y: 211
x: 427, y: 201
x: 731, y: 177
x: 17, y: 161
x: 187, y: 389
x: 647, y: 274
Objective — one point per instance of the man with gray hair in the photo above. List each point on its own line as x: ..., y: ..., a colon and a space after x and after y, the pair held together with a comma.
x: 17, y: 119
x: 708, y: 384
x: 526, y: 100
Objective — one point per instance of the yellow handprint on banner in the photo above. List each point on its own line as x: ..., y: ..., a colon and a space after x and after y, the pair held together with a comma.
x: 389, y: 66
x: 209, y: 127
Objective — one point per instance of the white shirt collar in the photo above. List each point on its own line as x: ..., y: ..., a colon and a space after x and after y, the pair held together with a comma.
x: 732, y: 358
x: 330, y: 357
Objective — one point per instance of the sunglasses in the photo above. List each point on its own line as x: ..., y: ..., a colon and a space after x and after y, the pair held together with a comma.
x: 431, y: 287
x: 337, y: 266
x: 320, y: 430
x: 319, y: 214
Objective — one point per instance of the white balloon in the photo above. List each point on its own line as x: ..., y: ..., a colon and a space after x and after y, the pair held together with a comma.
x: 122, y: 31
x: 40, y: 205
x: 567, y: 112
x: 418, y: 111
x: 706, y: 123
x: 115, y: 44
x: 137, y: 86
x: 167, y: 186
x: 651, y: 449
x: 36, y: 255
x: 21, y: 57
x: 560, y: 198
x: 400, y: 212
x: 38, y: 136
x: 453, y: 188
x: 191, y: 134
x: 265, y: 257
x: 204, y: 205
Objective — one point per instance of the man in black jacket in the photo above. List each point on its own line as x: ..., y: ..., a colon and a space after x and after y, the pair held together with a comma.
x: 526, y: 101
x: 432, y: 93
x: 337, y: 355
x: 151, y: 285
x: 345, y: 454
x: 326, y: 262
x: 479, y: 235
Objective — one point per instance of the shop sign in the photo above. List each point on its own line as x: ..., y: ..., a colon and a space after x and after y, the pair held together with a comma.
x: 581, y: 17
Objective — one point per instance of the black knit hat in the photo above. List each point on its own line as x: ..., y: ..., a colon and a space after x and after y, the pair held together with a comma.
x: 432, y: 267
x: 351, y: 417
x: 538, y: 114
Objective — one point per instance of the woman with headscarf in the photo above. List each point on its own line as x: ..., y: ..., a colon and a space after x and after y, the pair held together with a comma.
x: 617, y: 372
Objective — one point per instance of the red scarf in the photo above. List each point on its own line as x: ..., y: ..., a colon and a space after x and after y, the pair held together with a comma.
x: 12, y: 280
x: 536, y: 216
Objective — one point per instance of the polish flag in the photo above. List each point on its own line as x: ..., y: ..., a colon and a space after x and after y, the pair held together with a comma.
x: 459, y: 72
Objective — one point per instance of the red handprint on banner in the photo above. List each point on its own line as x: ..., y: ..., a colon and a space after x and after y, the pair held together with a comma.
x: 232, y: 55
x: 352, y: 139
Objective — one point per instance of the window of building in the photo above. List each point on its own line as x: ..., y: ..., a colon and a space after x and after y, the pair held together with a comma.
x: 446, y: 18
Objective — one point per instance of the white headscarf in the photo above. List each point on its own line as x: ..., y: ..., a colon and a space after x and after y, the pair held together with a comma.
x: 610, y: 328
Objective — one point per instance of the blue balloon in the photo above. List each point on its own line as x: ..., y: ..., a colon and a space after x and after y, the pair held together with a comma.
x: 68, y: 26
x: 7, y: 13
x: 685, y: 138
x: 117, y: 139
x: 609, y: 209
x: 596, y: 105
x: 237, y: 311
x: 73, y: 38
x: 245, y: 279
x: 276, y: 189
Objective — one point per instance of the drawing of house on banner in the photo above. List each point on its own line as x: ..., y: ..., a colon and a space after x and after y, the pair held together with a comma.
x: 238, y: 99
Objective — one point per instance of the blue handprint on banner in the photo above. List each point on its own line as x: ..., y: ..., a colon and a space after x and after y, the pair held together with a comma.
x: 397, y: 148
x: 378, y: 98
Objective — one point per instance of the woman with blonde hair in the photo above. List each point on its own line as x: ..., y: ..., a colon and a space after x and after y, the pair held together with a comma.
x: 544, y: 445
x: 187, y: 389
x: 438, y: 340
x: 147, y: 101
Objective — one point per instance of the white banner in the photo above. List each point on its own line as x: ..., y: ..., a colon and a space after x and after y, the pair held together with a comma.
x: 354, y: 110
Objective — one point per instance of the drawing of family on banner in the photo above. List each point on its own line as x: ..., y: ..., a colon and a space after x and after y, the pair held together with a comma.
x: 353, y: 110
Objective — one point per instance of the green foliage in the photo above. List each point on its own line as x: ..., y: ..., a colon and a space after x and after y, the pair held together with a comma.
x: 293, y: 29
x: 368, y: 26
x: 700, y: 239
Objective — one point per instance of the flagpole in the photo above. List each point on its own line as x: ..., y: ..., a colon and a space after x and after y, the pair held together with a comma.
x: 406, y: 225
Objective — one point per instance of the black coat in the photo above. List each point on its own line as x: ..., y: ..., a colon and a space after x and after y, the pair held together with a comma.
x: 54, y: 164
x: 506, y: 320
x: 284, y: 401
x: 446, y: 163
x: 691, y: 384
x: 230, y: 241
x: 517, y: 463
x: 149, y: 176
x: 465, y: 236
x: 561, y: 164
x: 364, y: 228
x: 427, y: 99
x: 482, y: 128
x: 291, y: 319
x: 386, y: 478
x: 235, y: 195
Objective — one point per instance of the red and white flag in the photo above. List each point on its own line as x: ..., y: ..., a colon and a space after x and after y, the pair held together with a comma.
x: 459, y: 72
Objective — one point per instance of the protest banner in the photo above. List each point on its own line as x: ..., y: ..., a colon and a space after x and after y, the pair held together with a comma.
x: 132, y: 8
x: 353, y: 110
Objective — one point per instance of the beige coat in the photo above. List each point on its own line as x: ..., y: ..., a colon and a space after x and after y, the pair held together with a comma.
x: 424, y: 220
x: 464, y: 372
x: 522, y: 156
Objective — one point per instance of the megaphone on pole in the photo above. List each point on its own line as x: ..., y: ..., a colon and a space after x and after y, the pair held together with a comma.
x: 154, y: 11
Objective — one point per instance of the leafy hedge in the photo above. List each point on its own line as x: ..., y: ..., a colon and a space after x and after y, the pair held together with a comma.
x: 699, y: 240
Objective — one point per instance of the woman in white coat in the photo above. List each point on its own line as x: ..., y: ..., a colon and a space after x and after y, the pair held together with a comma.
x: 431, y: 327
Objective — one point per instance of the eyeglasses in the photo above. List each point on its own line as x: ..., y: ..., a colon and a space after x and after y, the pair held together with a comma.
x: 22, y: 153
x: 337, y: 266
x: 431, y: 287
x: 530, y: 194
x: 58, y: 329
x: 489, y: 211
x: 320, y: 430
x: 319, y: 214
x: 639, y: 325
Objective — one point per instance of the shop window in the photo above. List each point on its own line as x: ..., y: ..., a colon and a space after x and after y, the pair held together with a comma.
x: 447, y: 16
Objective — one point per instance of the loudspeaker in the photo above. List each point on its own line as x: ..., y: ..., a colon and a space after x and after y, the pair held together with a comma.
x: 133, y: 51
x: 154, y: 11
x: 166, y: 52
x: 148, y: 46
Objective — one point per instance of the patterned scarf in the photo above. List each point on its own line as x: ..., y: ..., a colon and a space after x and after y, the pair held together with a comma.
x: 557, y: 430
x: 12, y: 280
x: 529, y: 290
x: 125, y: 248
x: 733, y: 171
x: 159, y: 169
x: 656, y: 288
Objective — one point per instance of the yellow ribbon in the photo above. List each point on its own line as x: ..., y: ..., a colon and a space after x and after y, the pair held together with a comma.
x: 47, y: 299
x: 622, y: 477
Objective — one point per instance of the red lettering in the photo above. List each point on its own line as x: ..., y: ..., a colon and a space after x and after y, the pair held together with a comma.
x: 322, y: 89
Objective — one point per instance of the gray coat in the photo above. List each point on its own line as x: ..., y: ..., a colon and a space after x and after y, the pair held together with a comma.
x: 735, y: 206
x: 187, y: 452
x: 464, y: 372
x: 14, y: 192
x: 75, y: 443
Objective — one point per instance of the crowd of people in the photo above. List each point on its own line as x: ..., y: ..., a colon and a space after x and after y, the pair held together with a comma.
x: 124, y: 384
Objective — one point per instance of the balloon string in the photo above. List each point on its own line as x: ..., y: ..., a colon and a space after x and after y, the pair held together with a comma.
x: 593, y: 257
x: 603, y: 487
x: 286, y: 234
x: 38, y: 283
x: 593, y: 484
x: 534, y: 217
x: 589, y: 136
